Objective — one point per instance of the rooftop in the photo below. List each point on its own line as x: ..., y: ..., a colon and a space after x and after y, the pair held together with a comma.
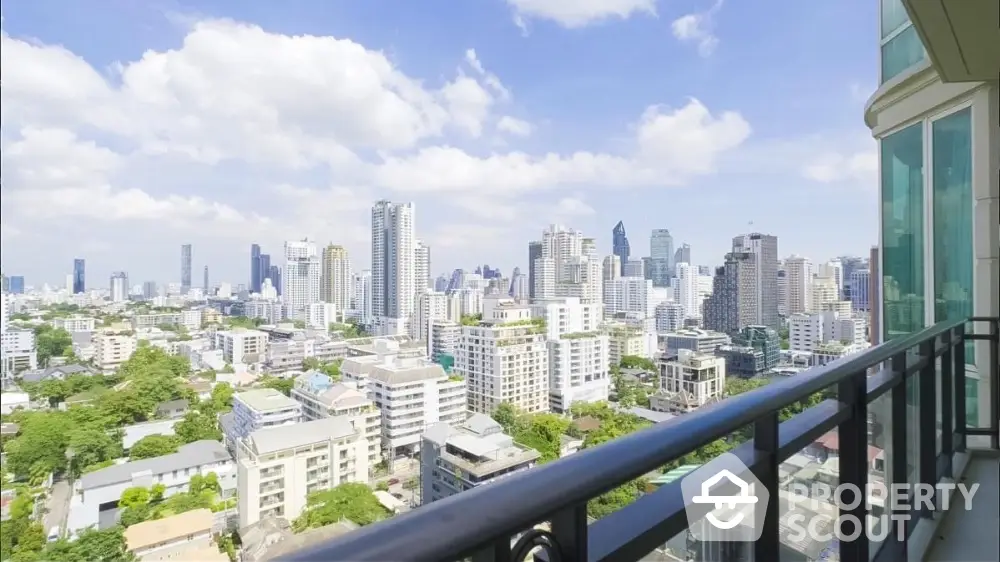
x: 190, y: 455
x: 392, y: 374
x: 266, y: 399
x: 278, y: 438
x: 149, y: 533
x: 480, y: 446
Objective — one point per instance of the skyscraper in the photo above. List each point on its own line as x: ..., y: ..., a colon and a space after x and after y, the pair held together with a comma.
x: 301, y: 278
x: 335, y: 279
x: 733, y: 304
x: 393, y: 256
x: 257, y: 273
x: 119, y: 286
x: 661, y: 257
x: 185, y: 269
x: 683, y: 254
x: 534, y: 252
x: 274, y: 274
x: 619, y: 244
x: 765, y: 247
x: 16, y: 284
x: 206, y: 281
x: 79, y: 276
x: 422, y: 267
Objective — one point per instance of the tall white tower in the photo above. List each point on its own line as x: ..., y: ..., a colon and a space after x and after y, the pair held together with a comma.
x: 300, y: 280
x: 393, y: 265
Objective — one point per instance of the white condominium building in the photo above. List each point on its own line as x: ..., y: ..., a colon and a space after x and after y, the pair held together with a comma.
x: 241, y: 346
x: 806, y: 332
x: 431, y: 306
x: 690, y: 382
x: 111, y: 350
x: 75, y: 323
x: 799, y: 275
x: 630, y: 294
x: 300, y: 280
x: 444, y: 339
x: 393, y: 265
x: 321, y: 397
x: 477, y: 452
x: 824, y: 290
x: 505, y: 359
x: 578, y: 352
x: 278, y: 467
x: 259, y: 408
x: 335, y: 278
x: 413, y: 394
x: 568, y: 266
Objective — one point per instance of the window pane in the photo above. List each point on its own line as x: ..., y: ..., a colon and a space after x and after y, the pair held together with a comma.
x: 904, y: 51
x: 903, y: 232
x: 893, y: 16
x: 953, y: 238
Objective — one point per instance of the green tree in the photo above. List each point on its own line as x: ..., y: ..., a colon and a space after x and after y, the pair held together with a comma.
x: 92, y: 444
x: 310, y: 364
x: 352, y: 501
x: 283, y: 386
x: 331, y: 370
x: 107, y: 545
x: 51, y: 342
x: 222, y: 397
x: 154, y: 446
x: 636, y: 362
x: 382, y: 486
x: 135, y: 496
x: 197, y: 426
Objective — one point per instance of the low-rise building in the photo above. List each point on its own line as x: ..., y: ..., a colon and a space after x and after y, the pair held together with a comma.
x: 95, y: 494
x: 259, y: 408
x: 321, y: 397
x: 74, y: 323
x: 185, y: 536
x: 695, y: 339
x: 454, y: 459
x: 280, y: 466
x: 111, y: 350
x: 689, y: 382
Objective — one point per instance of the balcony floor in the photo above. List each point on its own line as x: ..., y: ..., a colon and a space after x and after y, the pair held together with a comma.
x: 972, y: 535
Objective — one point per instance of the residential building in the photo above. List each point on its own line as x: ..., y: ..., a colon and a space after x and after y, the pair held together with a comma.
x: 75, y: 323
x: 454, y: 459
x: 630, y: 294
x: 764, y: 247
x: 578, y: 352
x: 278, y: 467
x: 96, y: 493
x: 568, y: 267
x: 319, y: 315
x: 421, y: 266
x: 19, y: 352
x: 859, y: 282
x: 504, y: 358
x: 733, y: 303
x: 393, y: 265
x: 321, y: 397
x: 301, y: 278
x: 799, y: 273
x: 185, y: 269
x: 694, y: 339
x: 534, y: 252
x: 111, y: 350
x: 119, y: 286
x: 185, y: 536
x: 260, y: 408
x: 689, y: 382
x: 628, y: 340
x: 824, y: 291
x: 755, y: 351
x: 240, y: 346
x: 808, y: 331
x: 432, y: 306
x: 335, y: 278
x: 669, y: 316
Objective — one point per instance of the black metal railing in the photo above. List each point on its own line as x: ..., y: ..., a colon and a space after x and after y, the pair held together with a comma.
x: 482, y: 524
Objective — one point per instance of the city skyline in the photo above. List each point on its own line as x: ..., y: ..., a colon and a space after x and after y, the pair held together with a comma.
x: 476, y: 168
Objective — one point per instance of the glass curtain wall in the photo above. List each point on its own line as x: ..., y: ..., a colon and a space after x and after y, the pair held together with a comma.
x: 901, y: 46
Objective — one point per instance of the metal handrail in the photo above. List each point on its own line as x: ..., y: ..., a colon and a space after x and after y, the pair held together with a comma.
x: 473, y: 519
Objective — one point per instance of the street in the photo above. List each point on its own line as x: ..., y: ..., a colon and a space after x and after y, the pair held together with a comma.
x: 57, y: 506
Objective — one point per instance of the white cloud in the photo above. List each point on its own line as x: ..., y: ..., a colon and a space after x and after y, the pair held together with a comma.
x: 698, y: 29
x: 514, y: 126
x: 578, y: 13
x: 573, y: 207
x: 196, y: 138
x: 858, y: 167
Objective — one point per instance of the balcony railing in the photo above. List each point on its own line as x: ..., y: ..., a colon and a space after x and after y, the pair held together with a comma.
x: 483, y: 523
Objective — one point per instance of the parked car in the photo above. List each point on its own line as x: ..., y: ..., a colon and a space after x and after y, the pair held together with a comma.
x: 393, y: 481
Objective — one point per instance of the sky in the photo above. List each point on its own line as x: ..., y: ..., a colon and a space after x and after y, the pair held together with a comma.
x: 130, y: 128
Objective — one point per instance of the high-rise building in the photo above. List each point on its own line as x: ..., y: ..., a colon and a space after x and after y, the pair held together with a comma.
x: 733, y: 302
x: 119, y: 286
x: 257, y: 273
x: 569, y: 266
x: 274, y: 274
x: 335, y: 279
x: 765, y: 247
x: 578, y: 353
x: 661, y: 257
x: 619, y: 244
x: 301, y: 278
x: 15, y: 284
x: 534, y: 252
x: 185, y: 269
x: 393, y: 272
x: 683, y: 255
x: 205, y: 283
x: 150, y: 290
x: 79, y: 276
x: 422, y: 267
x: 799, y: 273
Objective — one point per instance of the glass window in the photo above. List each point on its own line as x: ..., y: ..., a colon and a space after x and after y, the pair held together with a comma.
x: 901, y: 52
x: 953, y: 236
x: 902, y: 186
x: 894, y: 16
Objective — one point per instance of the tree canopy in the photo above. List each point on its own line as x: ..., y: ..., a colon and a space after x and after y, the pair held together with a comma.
x: 154, y: 446
x: 541, y: 432
x: 51, y: 342
x: 636, y: 362
x: 352, y: 501
x: 283, y: 386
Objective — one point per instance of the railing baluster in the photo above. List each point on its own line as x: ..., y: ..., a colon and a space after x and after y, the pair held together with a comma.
x: 895, y: 545
x: 765, y: 442
x: 498, y: 551
x: 853, y: 433
x: 960, y: 390
x: 995, y: 382
x: 569, y: 527
x: 927, y: 421
x: 947, y: 407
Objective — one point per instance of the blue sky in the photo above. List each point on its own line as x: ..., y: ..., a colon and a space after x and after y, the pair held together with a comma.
x: 131, y: 128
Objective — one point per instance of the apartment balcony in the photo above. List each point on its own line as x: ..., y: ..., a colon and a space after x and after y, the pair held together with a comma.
x: 911, y: 413
x: 961, y: 37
